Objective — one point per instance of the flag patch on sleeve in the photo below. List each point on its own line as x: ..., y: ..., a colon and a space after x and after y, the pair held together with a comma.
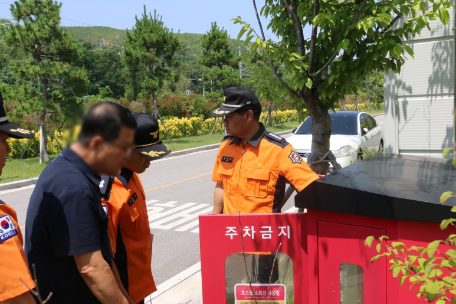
x: 7, y: 228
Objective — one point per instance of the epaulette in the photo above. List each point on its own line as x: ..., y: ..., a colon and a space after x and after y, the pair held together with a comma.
x: 2, y: 202
x: 274, y: 138
x: 227, y: 137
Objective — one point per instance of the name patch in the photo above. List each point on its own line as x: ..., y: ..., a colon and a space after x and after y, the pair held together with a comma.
x: 7, y: 228
x: 227, y: 159
x: 132, y: 199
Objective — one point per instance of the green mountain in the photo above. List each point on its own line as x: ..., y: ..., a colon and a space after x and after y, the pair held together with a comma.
x: 114, y: 37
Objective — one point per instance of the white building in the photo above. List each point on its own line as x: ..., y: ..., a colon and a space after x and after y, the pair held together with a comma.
x: 419, y: 102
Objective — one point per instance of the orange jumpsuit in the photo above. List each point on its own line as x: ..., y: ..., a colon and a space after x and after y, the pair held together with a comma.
x: 130, y: 235
x: 13, y: 264
x: 254, y: 177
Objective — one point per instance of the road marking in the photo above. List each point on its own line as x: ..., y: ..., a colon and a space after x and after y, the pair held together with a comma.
x: 178, y: 182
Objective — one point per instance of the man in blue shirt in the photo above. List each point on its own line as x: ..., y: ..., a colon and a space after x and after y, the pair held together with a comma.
x: 66, y: 236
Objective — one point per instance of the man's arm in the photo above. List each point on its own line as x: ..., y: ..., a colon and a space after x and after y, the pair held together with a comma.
x: 218, y: 199
x: 99, y: 278
x: 115, y: 272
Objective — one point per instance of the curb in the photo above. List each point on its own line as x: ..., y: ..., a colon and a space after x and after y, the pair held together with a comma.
x: 31, y: 181
x: 18, y: 184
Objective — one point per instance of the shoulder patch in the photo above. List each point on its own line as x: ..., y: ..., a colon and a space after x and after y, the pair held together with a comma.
x: 276, y: 139
x: 227, y: 137
x: 7, y: 228
x: 295, y: 157
x: 2, y: 202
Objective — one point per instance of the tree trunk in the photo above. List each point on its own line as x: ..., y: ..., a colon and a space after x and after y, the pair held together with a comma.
x: 270, y: 114
x: 356, y: 102
x: 44, y: 156
x: 321, y: 129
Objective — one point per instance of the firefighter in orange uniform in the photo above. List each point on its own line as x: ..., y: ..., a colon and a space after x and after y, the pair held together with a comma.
x: 14, y: 271
x: 253, y: 165
x: 128, y: 220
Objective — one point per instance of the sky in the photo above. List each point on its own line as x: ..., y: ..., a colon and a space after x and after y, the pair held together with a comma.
x: 180, y: 15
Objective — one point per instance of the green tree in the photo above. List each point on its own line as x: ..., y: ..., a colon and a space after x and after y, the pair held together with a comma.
x: 219, y: 59
x: 104, y: 69
x: 51, y: 78
x: 348, y: 40
x: 149, y: 56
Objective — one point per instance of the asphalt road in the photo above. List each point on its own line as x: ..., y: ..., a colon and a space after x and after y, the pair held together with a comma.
x: 178, y: 189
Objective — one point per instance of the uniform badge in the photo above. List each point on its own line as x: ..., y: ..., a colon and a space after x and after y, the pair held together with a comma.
x: 295, y: 157
x: 7, y: 228
x: 132, y: 199
x: 227, y: 159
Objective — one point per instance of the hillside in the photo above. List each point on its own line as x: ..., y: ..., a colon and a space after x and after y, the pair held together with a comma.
x: 115, y: 37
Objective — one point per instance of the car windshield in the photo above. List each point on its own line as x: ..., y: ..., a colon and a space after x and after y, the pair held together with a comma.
x: 341, y: 125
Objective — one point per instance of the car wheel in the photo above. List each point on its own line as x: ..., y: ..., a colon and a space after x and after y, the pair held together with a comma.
x: 380, y: 147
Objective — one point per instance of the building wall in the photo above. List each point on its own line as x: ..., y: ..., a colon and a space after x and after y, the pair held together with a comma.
x: 419, y: 101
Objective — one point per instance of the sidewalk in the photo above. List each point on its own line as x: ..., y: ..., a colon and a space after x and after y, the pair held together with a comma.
x: 187, y: 291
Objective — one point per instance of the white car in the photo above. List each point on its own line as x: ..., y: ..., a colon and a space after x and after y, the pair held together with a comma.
x: 352, y: 133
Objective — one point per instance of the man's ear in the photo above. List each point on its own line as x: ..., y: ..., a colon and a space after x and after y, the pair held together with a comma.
x: 96, y: 142
x: 249, y: 115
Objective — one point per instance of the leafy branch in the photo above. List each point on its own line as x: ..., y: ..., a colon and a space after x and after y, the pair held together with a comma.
x: 432, y: 268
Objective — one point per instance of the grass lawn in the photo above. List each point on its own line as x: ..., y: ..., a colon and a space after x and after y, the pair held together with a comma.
x: 16, y: 169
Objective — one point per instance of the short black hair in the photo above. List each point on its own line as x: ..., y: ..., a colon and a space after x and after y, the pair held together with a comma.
x: 256, y: 109
x: 105, y: 119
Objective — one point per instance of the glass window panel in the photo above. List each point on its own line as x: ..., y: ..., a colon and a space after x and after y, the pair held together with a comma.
x: 258, y: 267
x: 351, y: 284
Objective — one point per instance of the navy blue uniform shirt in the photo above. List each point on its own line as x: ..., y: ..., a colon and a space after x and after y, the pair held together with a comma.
x: 65, y: 218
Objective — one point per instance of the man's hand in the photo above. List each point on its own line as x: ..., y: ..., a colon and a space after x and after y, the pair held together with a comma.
x: 218, y: 199
x: 99, y: 278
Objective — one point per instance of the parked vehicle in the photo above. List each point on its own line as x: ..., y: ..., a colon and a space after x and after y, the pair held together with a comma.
x: 352, y: 133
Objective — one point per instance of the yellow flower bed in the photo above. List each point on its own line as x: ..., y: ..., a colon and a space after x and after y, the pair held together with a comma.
x: 181, y: 127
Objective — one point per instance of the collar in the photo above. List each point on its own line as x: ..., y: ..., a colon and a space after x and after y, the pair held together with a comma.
x: 255, y: 140
x: 125, y: 176
x: 81, y: 165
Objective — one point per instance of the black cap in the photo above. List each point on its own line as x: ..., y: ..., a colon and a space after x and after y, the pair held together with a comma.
x: 147, y: 137
x: 10, y: 128
x: 235, y: 98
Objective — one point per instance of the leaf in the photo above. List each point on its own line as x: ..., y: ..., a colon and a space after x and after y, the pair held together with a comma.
x: 444, y: 15
x: 444, y: 224
x: 398, y: 50
x: 242, y: 32
x: 309, y: 83
x: 432, y: 290
x: 383, y: 237
x: 396, y: 271
x: 454, y: 162
x: 369, y: 239
x: 432, y: 247
x: 409, y: 50
x: 445, y: 196
x: 378, y: 247
x: 446, y: 151
x: 401, y: 280
x: 404, y: 10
